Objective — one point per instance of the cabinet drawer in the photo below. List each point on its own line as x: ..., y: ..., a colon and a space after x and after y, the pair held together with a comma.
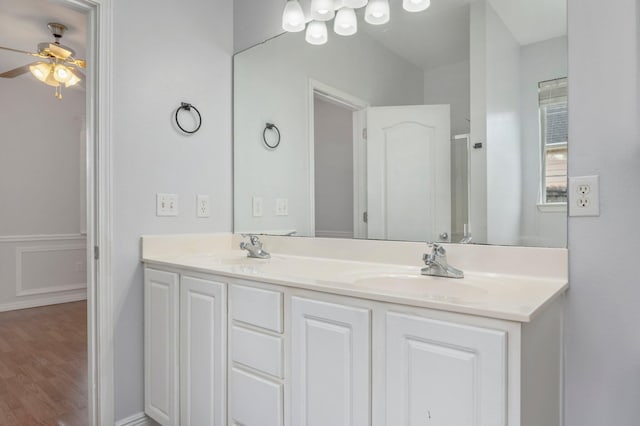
x: 257, y: 350
x: 255, y: 306
x: 255, y: 401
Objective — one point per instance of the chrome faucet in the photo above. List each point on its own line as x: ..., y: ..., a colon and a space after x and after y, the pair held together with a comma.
x: 466, y: 237
x: 254, y: 247
x: 437, y: 265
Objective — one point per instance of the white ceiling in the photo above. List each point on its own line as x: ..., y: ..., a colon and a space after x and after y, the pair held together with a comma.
x: 531, y: 21
x: 23, y: 24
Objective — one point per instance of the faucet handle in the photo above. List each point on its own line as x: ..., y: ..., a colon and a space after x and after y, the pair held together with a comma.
x: 253, y: 238
x: 437, y: 248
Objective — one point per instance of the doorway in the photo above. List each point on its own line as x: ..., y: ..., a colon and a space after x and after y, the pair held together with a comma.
x: 58, y: 262
x: 337, y: 163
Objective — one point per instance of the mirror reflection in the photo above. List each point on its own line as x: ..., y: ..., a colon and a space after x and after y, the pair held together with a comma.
x: 448, y: 124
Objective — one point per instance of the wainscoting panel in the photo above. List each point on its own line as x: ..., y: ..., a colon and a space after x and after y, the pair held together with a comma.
x: 37, y: 270
x: 50, y: 269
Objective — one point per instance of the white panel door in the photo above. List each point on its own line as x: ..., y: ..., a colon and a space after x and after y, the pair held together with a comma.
x: 202, y: 352
x: 408, y: 172
x: 330, y: 355
x: 444, y: 374
x: 161, y: 303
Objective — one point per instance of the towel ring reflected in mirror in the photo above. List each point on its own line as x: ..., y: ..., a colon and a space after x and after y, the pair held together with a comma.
x: 274, y: 129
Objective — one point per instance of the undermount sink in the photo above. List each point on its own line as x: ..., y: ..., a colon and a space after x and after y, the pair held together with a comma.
x: 436, y: 288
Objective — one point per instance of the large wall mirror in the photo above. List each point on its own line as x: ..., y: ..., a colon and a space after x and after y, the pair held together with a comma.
x: 445, y: 125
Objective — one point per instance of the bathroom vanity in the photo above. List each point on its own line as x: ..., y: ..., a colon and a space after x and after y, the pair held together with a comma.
x: 347, y: 332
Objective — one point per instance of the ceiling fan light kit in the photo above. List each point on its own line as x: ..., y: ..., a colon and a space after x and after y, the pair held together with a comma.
x: 59, y: 66
x: 377, y: 12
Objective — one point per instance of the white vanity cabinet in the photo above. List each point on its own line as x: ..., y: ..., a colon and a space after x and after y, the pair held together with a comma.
x: 296, y: 357
x: 444, y: 373
x: 185, y: 349
x: 330, y: 364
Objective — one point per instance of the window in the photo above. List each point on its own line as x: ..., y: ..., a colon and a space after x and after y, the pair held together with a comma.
x: 554, y: 135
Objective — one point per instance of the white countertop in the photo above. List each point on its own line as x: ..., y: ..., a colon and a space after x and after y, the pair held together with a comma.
x: 510, y: 297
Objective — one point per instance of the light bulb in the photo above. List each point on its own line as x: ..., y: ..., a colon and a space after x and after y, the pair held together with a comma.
x: 346, y: 22
x: 293, y: 17
x: 377, y: 12
x: 316, y: 33
x: 322, y: 10
x: 355, y: 4
x: 61, y: 73
x: 415, y: 5
x: 40, y: 70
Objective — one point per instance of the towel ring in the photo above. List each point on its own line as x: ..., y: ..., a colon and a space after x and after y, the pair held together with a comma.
x: 188, y: 107
x: 274, y: 128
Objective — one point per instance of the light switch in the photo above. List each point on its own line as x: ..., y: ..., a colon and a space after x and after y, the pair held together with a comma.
x: 166, y: 204
x: 257, y: 206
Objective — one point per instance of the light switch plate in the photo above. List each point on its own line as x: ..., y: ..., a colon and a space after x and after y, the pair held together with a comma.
x: 282, y: 207
x: 584, y: 196
x: 166, y: 204
x: 203, y: 206
x: 257, y: 206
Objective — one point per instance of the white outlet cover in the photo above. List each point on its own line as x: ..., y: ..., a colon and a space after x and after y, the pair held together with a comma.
x: 584, y: 196
x: 203, y: 206
x: 282, y: 207
x: 256, y: 203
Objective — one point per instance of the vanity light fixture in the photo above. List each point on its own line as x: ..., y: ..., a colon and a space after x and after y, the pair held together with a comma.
x: 416, y: 5
x: 322, y: 10
x: 377, y: 12
x: 346, y: 22
x: 316, y: 33
x: 293, y: 17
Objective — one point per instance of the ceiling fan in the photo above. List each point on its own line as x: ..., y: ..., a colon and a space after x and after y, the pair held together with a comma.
x: 58, y: 66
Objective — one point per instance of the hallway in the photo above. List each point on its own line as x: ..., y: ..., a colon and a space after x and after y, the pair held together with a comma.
x: 43, y: 366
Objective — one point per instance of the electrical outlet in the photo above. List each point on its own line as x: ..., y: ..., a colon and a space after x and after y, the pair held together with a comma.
x: 257, y: 206
x: 166, y: 204
x: 203, y: 206
x: 584, y: 196
x: 282, y: 207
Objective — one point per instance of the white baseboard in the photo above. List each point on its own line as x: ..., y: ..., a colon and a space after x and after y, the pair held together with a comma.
x: 44, y: 301
x: 139, y: 419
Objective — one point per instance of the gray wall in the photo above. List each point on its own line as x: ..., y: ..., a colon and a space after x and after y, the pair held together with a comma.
x: 449, y: 84
x: 603, y: 312
x: 333, y: 145
x: 150, y: 156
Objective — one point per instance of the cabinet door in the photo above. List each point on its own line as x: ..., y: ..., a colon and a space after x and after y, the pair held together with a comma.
x: 441, y: 373
x: 161, y: 301
x: 202, y: 352
x: 330, y: 373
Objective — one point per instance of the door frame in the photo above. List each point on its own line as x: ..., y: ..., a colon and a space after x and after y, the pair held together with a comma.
x: 99, y: 209
x: 356, y: 105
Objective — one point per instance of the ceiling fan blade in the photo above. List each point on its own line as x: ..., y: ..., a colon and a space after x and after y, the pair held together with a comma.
x: 20, y: 51
x: 78, y: 62
x: 16, y: 71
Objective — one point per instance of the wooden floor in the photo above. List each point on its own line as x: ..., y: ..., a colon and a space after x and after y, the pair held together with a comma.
x: 43, y: 366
